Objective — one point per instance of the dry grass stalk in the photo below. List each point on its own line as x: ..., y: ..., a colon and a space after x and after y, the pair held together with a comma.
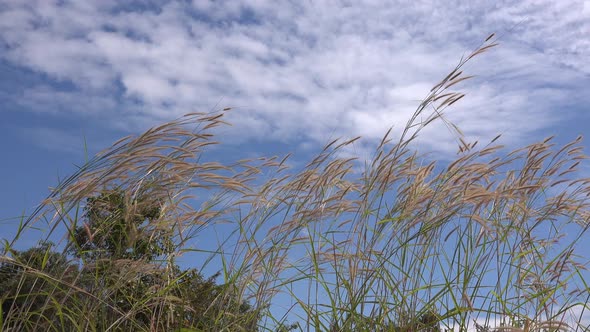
x: 404, y: 237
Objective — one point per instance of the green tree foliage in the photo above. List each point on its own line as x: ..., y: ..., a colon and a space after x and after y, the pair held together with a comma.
x: 426, y: 322
x: 286, y: 327
x: 117, y: 267
x: 123, y: 249
x: 208, y: 304
x: 31, y: 283
x: 120, y: 226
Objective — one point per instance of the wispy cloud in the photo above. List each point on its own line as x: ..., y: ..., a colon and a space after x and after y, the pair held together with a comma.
x: 304, y: 71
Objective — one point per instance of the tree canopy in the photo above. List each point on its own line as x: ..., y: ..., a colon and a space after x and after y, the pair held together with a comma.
x: 112, y: 266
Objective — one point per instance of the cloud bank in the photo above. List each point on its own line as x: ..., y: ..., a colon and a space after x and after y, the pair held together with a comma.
x: 301, y: 71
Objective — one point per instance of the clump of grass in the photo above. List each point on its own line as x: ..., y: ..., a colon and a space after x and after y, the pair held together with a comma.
x: 407, y: 244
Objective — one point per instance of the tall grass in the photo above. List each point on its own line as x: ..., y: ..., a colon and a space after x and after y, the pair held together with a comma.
x: 490, y: 240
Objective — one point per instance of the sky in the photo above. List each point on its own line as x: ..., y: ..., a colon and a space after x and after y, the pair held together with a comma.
x: 77, y: 75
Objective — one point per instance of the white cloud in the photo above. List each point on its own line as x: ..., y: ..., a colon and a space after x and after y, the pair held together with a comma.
x: 45, y: 99
x: 307, y: 71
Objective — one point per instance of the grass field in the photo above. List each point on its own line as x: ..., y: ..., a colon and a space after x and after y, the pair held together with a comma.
x: 491, y: 240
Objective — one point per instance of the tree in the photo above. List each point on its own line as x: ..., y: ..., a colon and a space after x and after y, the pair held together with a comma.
x: 425, y: 322
x: 120, y: 226
x: 32, y: 283
x: 208, y: 303
x: 120, y: 242
x: 286, y: 327
x: 112, y: 268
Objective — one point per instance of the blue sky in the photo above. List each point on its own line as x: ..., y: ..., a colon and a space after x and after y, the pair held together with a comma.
x: 79, y: 75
